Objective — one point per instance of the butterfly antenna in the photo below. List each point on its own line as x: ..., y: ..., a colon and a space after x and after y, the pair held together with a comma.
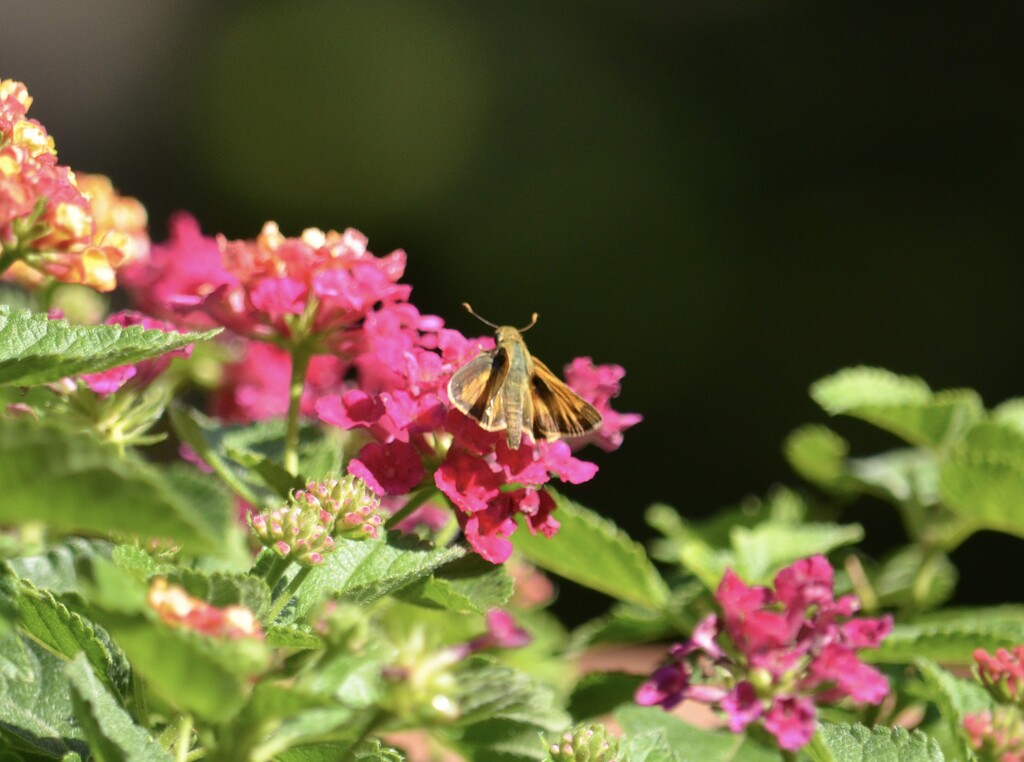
x: 533, y: 322
x: 482, y: 320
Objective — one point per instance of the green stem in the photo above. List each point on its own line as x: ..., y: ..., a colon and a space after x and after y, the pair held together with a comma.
x: 730, y: 755
x: 418, y: 498
x: 289, y: 591
x: 181, y: 746
x: 276, y: 571
x: 300, y: 364
x: 140, y: 706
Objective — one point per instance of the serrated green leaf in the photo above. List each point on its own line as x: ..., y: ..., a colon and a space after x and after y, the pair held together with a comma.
x: 279, y: 715
x: 626, y: 623
x: 948, y: 643
x: 762, y: 550
x: 490, y: 691
x: 56, y: 570
x: 370, y: 751
x: 592, y: 551
x: 982, y: 479
x: 691, y: 744
x: 112, y: 735
x: 76, y: 484
x: 35, y: 700
x: 468, y: 585
x: 63, y: 632
x: 903, y: 405
x: 600, y: 692
x: 857, y: 743
x: 648, y: 747
x: 37, y: 350
x: 215, y: 505
x: 955, y: 698
x: 206, y: 676
x: 293, y: 636
x: 364, y: 570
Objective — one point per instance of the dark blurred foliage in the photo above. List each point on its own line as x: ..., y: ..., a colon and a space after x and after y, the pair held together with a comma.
x: 731, y: 198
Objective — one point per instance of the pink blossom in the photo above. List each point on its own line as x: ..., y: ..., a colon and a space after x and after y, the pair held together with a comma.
x: 786, y: 650
x: 177, y: 275
x: 742, y: 706
x: 599, y: 385
x: 141, y: 373
x: 791, y: 721
x: 469, y: 482
x: 389, y: 469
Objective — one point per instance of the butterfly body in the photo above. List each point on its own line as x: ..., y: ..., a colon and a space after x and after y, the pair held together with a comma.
x: 507, y: 389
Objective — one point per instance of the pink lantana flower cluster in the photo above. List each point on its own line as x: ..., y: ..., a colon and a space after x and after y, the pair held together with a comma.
x: 773, y: 656
x: 378, y: 366
x: 50, y: 223
x: 998, y: 734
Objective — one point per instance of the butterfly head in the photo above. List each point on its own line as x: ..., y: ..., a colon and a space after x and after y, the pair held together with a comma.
x: 504, y: 332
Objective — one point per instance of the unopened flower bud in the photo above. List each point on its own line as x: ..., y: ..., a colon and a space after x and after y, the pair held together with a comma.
x: 585, y: 743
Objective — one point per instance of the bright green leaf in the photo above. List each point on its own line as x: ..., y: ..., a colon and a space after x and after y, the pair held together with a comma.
x: 948, y: 643
x: 903, y: 405
x: 75, y: 484
x: 762, y: 550
x: 63, y: 632
x: 112, y: 735
x: 691, y: 744
x: 592, y: 551
x: 37, y: 350
x: 468, y: 585
x: 955, y: 699
x: 600, y: 692
x: 364, y: 570
x: 35, y: 700
x: 817, y: 454
x: 982, y: 479
x: 857, y: 743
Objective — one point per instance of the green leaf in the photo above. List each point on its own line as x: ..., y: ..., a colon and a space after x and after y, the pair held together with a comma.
x: 56, y: 570
x: 467, y: 585
x: 370, y: 751
x: 762, y: 550
x: 503, y: 714
x: 689, y: 743
x: 599, y: 693
x: 903, y: 405
x: 207, y: 676
x: 112, y: 735
x: 364, y: 570
x: 292, y: 636
x: 955, y: 699
x: 592, y: 551
x: 35, y: 700
x: 37, y: 350
x: 856, y: 743
x: 74, y: 483
x: 652, y: 746
x: 490, y: 691
x: 817, y: 454
x: 914, y: 576
x: 63, y: 632
x: 215, y: 505
x: 949, y: 643
x: 982, y: 480
x: 1010, y: 413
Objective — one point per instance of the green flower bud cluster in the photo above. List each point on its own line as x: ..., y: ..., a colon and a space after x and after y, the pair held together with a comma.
x: 585, y: 743
x: 303, y: 531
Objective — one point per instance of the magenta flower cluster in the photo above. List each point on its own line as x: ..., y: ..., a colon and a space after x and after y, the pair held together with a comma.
x: 773, y: 656
x: 378, y: 367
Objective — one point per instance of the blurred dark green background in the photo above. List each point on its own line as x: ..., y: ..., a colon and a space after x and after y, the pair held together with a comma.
x: 731, y: 198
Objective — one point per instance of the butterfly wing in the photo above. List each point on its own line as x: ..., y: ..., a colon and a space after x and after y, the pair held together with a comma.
x: 475, y: 389
x: 558, y: 411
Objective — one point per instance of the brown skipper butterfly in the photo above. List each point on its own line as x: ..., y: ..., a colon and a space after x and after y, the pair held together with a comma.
x: 507, y: 389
